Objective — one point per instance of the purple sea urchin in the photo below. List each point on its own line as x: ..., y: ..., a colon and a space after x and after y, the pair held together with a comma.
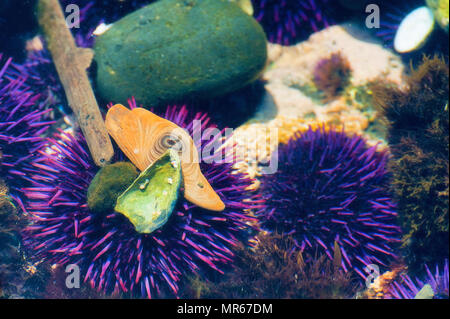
x: 111, y: 254
x: 289, y: 21
x: 331, y: 188
x: 407, y: 288
x: 21, y: 127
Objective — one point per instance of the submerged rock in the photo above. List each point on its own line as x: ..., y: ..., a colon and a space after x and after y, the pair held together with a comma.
x: 174, y: 49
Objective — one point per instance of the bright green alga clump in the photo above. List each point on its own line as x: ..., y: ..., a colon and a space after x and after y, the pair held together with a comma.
x: 107, y: 185
x: 173, y: 50
x: 361, y: 97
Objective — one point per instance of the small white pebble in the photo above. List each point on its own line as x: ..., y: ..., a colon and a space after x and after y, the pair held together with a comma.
x: 101, y: 28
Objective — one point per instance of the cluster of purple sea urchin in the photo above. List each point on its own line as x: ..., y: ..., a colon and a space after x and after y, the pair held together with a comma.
x: 288, y: 21
x: 112, y: 256
x: 329, y: 188
x: 407, y: 288
x: 21, y: 126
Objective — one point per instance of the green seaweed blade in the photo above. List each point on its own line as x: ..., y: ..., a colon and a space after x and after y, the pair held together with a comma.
x: 150, y: 200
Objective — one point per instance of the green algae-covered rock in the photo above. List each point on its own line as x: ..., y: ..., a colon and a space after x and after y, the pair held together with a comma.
x: 177, y: 49
x: 110, y: 181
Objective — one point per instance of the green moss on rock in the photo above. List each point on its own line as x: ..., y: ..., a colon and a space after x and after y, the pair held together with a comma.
x: 110, y: 181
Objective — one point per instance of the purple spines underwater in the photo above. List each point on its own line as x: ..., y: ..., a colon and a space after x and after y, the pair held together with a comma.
x: 287, y: 22
x: 407, y: 288
x: 112, y: 256
x: 329, y: 188
x: 21, y: 127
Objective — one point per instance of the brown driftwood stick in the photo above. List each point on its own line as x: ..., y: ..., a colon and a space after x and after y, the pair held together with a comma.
x: 71, y: 63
